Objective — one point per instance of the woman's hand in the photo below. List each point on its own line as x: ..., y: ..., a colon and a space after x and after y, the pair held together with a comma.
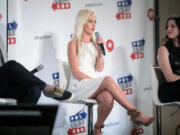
x: 99, y: 40
x: 100, y: 59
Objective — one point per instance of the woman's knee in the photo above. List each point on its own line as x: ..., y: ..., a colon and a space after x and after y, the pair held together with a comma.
x: 108, y: 80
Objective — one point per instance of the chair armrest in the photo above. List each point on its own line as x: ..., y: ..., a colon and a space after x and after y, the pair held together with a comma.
x: 159, y: 73
x: 9, y: 101
x: 81, y: 101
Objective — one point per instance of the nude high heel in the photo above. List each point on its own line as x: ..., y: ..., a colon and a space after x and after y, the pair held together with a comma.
x: 140, y: 118
x: 97, y: 127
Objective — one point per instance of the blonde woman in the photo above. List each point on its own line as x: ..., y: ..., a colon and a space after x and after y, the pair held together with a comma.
x: 85, y: 60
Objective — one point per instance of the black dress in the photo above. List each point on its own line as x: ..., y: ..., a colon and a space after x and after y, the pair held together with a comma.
x: 170, y: 91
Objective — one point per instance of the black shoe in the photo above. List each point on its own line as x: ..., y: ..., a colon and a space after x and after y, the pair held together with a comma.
x: 59, y: 94
x: 65, y: 95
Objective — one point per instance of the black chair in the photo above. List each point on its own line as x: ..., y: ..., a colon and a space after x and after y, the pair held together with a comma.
x: 157, y: 78
x: 27, y: 119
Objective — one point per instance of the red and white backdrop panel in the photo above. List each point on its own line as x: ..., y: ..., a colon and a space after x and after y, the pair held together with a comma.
x: 39, y: 31
x: 3, y: 22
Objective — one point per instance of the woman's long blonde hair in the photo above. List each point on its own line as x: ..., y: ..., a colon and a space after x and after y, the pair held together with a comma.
x: 81, y: 19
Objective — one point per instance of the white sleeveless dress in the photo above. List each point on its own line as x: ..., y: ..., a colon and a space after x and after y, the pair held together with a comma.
x: 86, y: 61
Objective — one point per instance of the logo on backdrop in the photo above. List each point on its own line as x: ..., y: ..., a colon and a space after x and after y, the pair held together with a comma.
x: 126, y: 84
x: 42, y: 37
x: 111, y: 124
x: 124, y: 8
x: 77, y: 123
x: 61, y: 4
x: 138, y: 49
x: 148, y: 88
x: 150, y: 14
x: 55, y: 77
x: 109, y: 45
x: 93, y: 4
x: 1, y: 16
x: 12, y: 26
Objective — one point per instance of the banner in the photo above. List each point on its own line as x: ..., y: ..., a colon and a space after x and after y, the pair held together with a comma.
x: 3, y: 23
x: 41, y: 29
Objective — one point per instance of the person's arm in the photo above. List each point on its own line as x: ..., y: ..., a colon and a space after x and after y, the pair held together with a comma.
x: 99, y: 59
x: 99, y: 63
x: 73, y: 61
x: 163, y: 60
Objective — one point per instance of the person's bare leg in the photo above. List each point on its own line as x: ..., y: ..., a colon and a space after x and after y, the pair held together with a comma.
x: 105, y: 104
x: 118, y: 94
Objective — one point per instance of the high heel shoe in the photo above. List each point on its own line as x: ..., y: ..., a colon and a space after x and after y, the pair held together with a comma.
x: 133, y: 114
x: 140, y: 118
x: 97, y: 127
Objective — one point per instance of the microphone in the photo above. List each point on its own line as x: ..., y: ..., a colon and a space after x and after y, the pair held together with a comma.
x: 97, y: 34
x: 38, y: 68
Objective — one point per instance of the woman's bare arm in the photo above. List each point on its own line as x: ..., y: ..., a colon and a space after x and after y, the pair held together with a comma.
x: 73, y: 61
x: 163, y: 60
x: 99, y: 59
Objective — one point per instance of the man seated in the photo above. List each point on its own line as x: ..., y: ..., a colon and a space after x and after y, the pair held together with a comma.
x: 19, y: 83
